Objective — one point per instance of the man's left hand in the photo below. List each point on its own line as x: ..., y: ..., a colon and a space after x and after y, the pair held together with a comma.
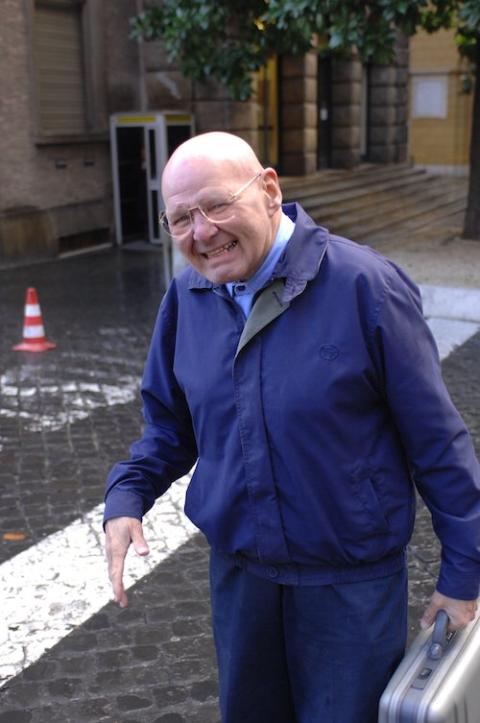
x: 460, y: 612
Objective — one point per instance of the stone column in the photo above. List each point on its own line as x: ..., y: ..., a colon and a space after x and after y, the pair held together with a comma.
x: 346, y: 113
x: 388, y: 105
x: 298, y: 113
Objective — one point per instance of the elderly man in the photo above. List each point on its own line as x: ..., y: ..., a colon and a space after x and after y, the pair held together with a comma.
x: 296, y: 369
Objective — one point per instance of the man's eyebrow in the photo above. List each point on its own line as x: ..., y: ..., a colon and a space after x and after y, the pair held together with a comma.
x: 202, y: 197
x: 178, y: 207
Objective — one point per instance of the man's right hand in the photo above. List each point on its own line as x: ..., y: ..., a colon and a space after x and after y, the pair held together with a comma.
x: 120, y: 533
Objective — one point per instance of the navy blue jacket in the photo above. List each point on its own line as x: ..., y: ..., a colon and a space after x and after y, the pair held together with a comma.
x: 310, y: 422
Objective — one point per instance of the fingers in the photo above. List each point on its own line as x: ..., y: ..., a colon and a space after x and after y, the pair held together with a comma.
x: 428, y: 617
x: 120, y: 533
x: 116, y: 545
x: 115, y: 572
x: 460, y: 612
x: 139, y: 544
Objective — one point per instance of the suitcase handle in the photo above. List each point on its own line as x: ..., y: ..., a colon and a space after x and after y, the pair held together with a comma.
x: 439, y: 636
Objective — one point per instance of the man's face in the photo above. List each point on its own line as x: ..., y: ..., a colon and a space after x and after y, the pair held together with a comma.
x: 233, y: 249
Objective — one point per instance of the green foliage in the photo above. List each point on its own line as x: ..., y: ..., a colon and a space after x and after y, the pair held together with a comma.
x: 209, y: 38
x: 469, y: 15
x: 228, y: 40
x: 466, y: 41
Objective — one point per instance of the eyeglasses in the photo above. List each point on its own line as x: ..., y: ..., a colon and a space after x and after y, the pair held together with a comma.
x: 216, y: 209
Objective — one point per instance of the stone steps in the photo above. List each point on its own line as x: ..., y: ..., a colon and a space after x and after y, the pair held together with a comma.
x: 377, y: 204
x: 360, y: 208
x: 363, y: 188
x: 441, y: 225
x: 338, y: 181
x: 418, y: 212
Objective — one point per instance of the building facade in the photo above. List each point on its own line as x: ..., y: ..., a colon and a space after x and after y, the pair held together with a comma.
x: 318, y: 113
x: 63, y: 71
x: 68, y: 65
x: 441, y: 104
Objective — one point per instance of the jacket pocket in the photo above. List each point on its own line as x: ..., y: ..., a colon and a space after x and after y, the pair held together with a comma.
x: 371, y: 518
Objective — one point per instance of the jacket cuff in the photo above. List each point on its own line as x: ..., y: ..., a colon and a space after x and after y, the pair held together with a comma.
x: 122, y: 504
x: 458, y: 583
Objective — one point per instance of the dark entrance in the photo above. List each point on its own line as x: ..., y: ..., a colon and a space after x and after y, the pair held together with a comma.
x: 132, y: 177
x: 132, y: 149
x: 324, y: 106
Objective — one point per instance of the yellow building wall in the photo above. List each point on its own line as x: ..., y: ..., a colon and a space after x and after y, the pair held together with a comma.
x: 440, y: 141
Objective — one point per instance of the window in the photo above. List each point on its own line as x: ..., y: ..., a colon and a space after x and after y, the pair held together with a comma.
x: 429, y: 96
x: 60, y: 67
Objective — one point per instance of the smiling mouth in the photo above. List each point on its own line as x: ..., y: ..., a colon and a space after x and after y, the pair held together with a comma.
x: 217, y: 252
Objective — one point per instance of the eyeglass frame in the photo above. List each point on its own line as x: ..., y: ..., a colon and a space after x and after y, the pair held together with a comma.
x: 163, y: 221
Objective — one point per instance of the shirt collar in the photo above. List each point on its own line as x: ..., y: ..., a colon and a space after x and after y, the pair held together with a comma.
x: 263, y: 274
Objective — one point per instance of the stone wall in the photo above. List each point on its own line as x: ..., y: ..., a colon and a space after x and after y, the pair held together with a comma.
x: 167, y: 88
x: 388, y: 103
x: 298, y: 114
x: 346, y: 94
x: 53, y: 188
x: 442, y: 143
x: 373, y: 100
x: 210, y: 103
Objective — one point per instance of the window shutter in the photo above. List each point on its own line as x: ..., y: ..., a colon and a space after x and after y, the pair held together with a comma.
x: 59, y: 65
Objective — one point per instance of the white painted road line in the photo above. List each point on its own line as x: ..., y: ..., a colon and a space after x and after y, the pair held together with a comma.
x: 453, y: 315
x: 446, y: 302
x: 80, y: 398
x: 56, y: 585
x: 450, y: 333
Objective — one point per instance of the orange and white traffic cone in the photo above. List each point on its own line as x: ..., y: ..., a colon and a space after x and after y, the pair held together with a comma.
x: 33, y: 331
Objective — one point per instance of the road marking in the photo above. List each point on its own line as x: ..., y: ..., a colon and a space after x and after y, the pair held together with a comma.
x: 27, y: 401
x: 448, y: 302
x: 80, y: 399
x: 450, y: 334
x: 53, y: 587
x: 453, y: 315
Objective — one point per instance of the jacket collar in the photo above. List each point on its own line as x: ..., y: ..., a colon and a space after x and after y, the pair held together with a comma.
x: 300, y: 261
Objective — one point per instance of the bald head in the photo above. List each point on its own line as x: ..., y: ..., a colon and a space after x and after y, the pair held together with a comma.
x: 225, y: 149
x: 231, y: 205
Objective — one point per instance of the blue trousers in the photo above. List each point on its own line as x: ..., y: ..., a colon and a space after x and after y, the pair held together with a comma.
x: 310, y: 654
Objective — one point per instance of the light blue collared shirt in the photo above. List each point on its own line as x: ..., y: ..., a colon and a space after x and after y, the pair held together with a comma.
x: 244, y: 291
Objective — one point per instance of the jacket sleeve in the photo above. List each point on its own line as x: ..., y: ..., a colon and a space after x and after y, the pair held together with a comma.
x: 437, y: 444
x: 167, y: 448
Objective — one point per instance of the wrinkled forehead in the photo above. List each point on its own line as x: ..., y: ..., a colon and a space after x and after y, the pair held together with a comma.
x: 187, y: 179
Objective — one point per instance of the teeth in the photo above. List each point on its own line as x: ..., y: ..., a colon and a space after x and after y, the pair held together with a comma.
x: 217, y: 252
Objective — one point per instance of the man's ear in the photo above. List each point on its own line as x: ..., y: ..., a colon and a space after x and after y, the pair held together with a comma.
x: 271, y: 187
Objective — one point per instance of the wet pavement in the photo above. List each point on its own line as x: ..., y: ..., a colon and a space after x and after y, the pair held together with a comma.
x: 66, y: 414
x: 65, y: 417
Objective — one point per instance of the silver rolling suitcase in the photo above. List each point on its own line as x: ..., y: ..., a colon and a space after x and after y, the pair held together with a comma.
x: 438, y: 680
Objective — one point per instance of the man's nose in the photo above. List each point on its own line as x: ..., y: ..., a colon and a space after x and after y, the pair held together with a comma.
x: 202, y: 227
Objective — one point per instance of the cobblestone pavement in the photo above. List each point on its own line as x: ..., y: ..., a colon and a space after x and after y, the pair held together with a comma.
x: 68, y: 414
x: 65, y: 417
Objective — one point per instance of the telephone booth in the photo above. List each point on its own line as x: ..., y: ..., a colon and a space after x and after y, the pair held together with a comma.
x: 141, y: 144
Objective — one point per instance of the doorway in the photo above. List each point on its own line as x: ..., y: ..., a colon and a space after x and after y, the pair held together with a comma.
x: 364, y: 107
x: 141, y: 146
x: 267, y: 98
x: 132, y: 178
x: 324, y: 108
